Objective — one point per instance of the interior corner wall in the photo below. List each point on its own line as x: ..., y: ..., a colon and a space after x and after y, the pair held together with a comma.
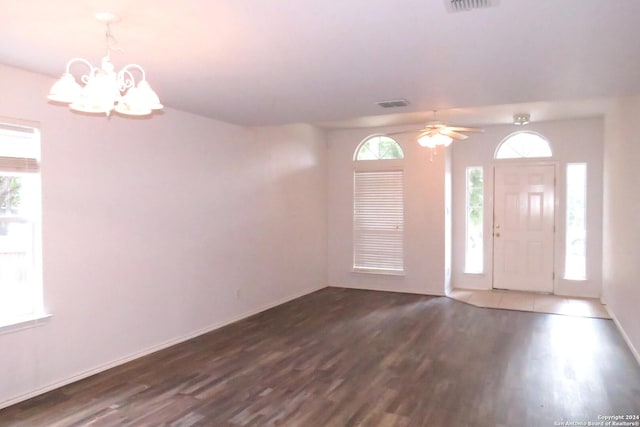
x: 621, y: 249
x: 424, y: 248
x: 572, y: 141
x: 157, y: 230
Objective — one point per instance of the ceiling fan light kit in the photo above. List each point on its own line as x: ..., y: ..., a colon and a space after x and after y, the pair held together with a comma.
x: 432, y: 141
x: 436, y: 133
x: 105, y: 90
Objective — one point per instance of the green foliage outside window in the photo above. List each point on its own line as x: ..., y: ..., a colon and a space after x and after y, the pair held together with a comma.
x: 9, y: 199
x: 474, y: 246
x: 9, y: 194
x: 476, y: 183
x: 380, y: 148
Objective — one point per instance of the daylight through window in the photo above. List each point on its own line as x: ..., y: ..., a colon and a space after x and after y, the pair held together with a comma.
x: 576, y: 230
x: 474, y: 243
x: 379, y: 148
x: 523, y: 145
x: 20, y: 277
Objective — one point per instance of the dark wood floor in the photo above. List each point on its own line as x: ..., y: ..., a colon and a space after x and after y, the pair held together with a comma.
x: 342, y: 357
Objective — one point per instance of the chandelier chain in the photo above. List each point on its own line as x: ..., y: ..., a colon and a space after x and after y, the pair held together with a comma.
x: 111, y: 42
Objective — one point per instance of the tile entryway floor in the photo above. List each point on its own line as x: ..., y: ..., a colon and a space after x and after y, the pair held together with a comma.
x: 527, y: 301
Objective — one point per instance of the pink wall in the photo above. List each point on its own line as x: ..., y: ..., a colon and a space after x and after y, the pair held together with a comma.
x: 157, y: 230
x: 425, y: 261
x: 621, y: 252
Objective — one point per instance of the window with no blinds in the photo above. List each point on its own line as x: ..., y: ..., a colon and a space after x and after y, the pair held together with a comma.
x: 378, y: 221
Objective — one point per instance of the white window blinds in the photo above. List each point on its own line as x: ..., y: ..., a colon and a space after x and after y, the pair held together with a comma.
x: 19, y: 148
x: 378, y: 210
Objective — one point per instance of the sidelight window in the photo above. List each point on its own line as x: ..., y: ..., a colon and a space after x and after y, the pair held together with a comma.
x: 576, y: 230
x: 474, y: 242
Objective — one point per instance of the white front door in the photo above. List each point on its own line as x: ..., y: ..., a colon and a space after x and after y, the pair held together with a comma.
x: 523, y: 227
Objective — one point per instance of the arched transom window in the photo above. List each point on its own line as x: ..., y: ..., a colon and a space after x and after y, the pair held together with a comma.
x: 523, y: 145
x: 378, y: 147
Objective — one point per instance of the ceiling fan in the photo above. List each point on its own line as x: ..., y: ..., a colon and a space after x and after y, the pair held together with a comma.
x: 436, y: 133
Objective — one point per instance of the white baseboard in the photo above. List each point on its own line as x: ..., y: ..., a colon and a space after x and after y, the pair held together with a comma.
x: 634, y: 350
x: 389, y: 289
x: 152, y: 349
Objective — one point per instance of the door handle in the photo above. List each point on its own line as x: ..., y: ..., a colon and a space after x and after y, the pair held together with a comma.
x: 497, y: 234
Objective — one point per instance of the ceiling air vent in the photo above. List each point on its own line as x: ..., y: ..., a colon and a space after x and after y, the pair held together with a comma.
x: 393, y: 103
x: 462, y: 5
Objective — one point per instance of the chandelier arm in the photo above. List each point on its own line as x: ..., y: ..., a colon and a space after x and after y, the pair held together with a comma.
x: 125, y: 80
x: 125, y: 76
x: 128, y: 67
x: 85, y: 77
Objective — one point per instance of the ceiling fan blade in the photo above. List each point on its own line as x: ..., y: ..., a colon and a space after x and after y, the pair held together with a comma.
x: 435, y: 125
x: 462, y: 129
x: 430, y: 132
x: 434, y: 128
x: 454, y: 134
x: 421, y: 130
x: 402, y: 132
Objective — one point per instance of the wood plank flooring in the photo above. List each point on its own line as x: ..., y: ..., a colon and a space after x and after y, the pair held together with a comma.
x: 341, y: 357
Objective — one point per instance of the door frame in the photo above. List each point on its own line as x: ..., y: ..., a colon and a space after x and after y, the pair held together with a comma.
x: 556, y: 209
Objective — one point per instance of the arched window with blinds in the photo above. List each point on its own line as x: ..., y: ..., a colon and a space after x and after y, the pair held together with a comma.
x: 378, y: 207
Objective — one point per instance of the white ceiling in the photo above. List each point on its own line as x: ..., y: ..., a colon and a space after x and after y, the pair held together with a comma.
x: 257, y: 62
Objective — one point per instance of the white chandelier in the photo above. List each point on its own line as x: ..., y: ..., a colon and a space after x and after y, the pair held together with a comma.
x: 105, y: 90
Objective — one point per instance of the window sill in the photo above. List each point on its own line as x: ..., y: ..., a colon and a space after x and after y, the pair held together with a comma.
x: 24, y: 322
x: 378, y: 271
